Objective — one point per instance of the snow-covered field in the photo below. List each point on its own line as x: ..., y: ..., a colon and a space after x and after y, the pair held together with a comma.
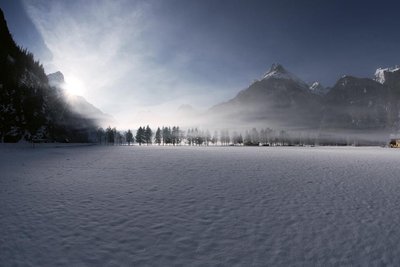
x: 202, y: 206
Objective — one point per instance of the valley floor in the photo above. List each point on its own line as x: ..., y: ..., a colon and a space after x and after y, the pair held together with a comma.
x: 201, y: 206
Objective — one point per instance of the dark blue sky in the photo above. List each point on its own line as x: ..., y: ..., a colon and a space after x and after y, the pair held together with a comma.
x: 314, y: 39
x: 317, y: 40
x: 217, y: 47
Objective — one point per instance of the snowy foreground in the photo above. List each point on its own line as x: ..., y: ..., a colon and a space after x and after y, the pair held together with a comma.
x: 182, y: 206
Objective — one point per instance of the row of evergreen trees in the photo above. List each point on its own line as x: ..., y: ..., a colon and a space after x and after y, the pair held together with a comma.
x: 197, y: 137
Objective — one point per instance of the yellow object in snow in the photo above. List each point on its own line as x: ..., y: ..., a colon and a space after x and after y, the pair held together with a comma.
x: 394, y: 143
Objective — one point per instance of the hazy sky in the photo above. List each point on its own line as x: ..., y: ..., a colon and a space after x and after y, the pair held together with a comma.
x: 135, y: 59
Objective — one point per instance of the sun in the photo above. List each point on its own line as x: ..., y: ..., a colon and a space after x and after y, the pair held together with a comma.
x: 74, y: 86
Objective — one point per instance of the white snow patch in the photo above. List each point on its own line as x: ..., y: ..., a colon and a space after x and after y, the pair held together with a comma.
x: 380, y: 73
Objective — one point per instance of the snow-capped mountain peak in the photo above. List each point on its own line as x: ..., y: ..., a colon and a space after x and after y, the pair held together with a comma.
x: 277, y: 71
x: 318, y: 89
x: 380, y: 73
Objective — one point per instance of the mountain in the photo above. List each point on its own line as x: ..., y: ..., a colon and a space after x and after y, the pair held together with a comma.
x: 78, y: 103
x: 318, y: 89
x: 279, y: 99
x: 29, y: 107
x: 56, y: 79
x: 388, y: 76
x: 357, y: 103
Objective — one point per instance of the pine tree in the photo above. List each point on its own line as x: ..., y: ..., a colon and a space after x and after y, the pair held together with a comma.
x: 129, y: 137
x: 148, y: 135
x: 114, y: 136
x: 110, y: 135
x: 164, y: 134
x: 175, y: 135
x: 158, y: 136
x: 139, y: 136
x: 100, y: 135
x: 169, y: 135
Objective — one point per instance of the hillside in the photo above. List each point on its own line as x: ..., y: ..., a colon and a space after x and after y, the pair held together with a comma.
x: 29, y: 107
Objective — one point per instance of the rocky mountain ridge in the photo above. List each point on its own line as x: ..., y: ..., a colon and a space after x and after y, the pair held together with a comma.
x: 283, y: 100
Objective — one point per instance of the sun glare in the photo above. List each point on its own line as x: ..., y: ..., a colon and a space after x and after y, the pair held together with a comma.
x: 74, y: 86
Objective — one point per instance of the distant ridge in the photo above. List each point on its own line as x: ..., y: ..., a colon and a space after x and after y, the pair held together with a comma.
x: 283, y: 100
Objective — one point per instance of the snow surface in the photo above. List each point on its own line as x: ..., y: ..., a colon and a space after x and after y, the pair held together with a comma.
x: 201, y: 206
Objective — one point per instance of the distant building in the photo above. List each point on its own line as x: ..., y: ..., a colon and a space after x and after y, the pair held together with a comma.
x: 395, y: 143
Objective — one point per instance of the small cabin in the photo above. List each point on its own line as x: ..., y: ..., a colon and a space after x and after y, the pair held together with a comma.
x: 394, y: 143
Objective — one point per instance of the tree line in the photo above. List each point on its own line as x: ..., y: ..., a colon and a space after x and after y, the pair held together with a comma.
x: 174, y: 135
